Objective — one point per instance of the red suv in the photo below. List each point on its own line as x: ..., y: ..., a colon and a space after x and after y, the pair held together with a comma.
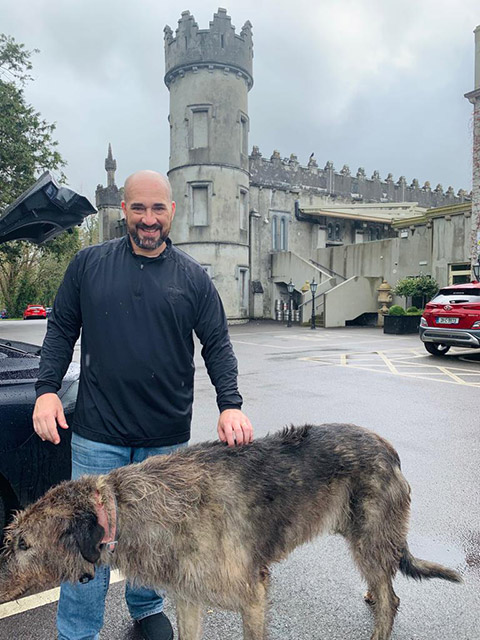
x: 452, y: 319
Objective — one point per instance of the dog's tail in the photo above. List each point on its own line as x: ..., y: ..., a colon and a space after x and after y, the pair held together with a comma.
x: 420, y: 569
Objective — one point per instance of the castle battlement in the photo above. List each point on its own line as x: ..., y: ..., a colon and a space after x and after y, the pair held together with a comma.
x: 289, y: 174
x: 217, y: 47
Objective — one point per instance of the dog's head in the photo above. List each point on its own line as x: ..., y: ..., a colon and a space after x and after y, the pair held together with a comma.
x: 56, y: 539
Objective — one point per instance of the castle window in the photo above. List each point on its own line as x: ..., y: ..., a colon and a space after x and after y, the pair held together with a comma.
x: 242, y: 275
x: 199, y: 200
x: 198, y: 117
x: 280, y: 232
x: 243, y: 121
x: 283, y: 234
x: 330, y: 231
x: 243, y: 199
x: 338, y: 235
x: 200, y: 129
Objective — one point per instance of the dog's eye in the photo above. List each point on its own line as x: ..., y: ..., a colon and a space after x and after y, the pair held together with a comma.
x: 22, y: 545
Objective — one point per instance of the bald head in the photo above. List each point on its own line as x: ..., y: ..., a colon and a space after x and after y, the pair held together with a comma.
x: 146, y: 178
x: 149, y: 211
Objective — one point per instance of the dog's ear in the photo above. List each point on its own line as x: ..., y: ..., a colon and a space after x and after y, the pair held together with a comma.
x: 84, y: 534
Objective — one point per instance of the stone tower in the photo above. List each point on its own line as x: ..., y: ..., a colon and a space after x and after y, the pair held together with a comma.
x: 108, y: 200
x: 209, y: 73
x: 474, y: 97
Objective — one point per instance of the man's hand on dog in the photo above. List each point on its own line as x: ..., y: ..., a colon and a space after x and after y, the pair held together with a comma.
x: 48, y: 412
x: 234, y: 427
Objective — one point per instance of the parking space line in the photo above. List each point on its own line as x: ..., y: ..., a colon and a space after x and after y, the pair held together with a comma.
x: 40, y: 599
x: 388, y: 362
x: 452, y: 375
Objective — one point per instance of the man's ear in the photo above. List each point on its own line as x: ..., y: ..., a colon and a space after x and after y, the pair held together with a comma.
x: 124, y: 206
x: 85, y: 534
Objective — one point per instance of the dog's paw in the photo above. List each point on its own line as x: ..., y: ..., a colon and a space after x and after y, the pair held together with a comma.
x: 369, y: 598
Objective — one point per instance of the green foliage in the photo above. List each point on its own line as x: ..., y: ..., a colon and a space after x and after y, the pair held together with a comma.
x: 27, y: 148
x: 412, y: 310
x: 396, y: 310
x: 422, y: 286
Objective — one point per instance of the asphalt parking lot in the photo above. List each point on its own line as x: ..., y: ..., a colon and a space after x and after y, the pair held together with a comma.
x: 426, y: 406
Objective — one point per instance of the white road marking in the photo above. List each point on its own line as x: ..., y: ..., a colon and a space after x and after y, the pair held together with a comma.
x: 40, y: 599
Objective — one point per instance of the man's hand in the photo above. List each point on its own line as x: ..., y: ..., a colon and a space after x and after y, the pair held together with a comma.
x: 234, y: 427
x: 47, y: 413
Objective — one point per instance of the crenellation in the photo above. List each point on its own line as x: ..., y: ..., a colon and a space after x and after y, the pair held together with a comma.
x: 216, y: 47
x: 282, y: 173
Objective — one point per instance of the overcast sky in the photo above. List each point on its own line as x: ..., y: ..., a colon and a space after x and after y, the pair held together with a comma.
x: 371, y: 83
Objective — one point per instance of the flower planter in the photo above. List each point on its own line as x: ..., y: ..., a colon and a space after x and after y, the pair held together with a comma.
x: 401, y: 324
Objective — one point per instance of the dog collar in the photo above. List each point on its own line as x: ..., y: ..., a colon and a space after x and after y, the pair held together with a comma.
x: 109, y: 524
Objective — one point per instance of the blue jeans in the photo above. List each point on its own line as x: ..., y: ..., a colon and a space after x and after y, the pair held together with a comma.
x: 81, y: 606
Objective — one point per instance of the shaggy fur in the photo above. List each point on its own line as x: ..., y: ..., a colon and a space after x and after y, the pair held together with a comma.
x: 206, y: 522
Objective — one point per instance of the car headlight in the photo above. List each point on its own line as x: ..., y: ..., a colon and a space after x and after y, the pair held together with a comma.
x: 476, y: 325
x: 423, y: 322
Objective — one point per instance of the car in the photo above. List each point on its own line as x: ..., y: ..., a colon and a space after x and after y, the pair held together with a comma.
x: 35, y: 311
x: 3, y: 314
x: 28, y: 466
x: 49, y: 311
x: 452, y: 319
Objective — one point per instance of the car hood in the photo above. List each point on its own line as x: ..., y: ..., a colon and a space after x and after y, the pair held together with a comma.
x: 43, y: 211
x: 19, y: 362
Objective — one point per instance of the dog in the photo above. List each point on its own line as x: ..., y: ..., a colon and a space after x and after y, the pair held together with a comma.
x: 206, y: 522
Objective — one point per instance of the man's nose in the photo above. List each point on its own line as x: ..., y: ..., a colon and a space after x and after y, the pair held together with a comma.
x: 149, y: 217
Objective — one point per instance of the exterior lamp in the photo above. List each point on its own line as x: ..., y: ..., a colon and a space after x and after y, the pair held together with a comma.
x: 290, y: 289
x: 476, y: 272
x: 313, y: 289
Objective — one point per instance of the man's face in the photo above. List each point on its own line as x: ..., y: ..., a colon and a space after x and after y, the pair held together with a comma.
x: 149, y: 212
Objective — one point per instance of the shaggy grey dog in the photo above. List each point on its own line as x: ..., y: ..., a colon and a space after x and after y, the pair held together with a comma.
x: 206, y: 522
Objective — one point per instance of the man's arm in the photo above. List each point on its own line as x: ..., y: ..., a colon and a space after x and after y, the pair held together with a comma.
x: 233, y: 427
x: 63, y: 329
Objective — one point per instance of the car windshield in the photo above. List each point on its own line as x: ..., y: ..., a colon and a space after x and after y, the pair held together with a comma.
x: 447, y: 296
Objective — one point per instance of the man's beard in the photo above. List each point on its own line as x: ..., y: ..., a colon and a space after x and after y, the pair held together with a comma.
x: 149, y: 244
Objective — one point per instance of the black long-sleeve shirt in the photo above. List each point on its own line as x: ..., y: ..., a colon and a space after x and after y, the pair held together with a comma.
x: 137, y: 316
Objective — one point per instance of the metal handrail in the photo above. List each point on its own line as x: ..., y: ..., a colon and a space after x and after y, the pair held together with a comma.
x: 331, y: 271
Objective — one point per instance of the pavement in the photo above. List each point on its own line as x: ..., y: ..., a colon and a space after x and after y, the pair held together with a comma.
x: 425, y: 405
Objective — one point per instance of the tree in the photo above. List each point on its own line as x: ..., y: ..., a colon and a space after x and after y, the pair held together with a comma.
x: 422, y: 286
x: 27, y: 149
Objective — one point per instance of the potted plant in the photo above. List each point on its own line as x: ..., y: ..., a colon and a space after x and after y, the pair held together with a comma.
x: 399, y: 321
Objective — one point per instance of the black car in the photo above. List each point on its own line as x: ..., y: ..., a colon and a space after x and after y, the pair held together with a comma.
x: 28, y: 466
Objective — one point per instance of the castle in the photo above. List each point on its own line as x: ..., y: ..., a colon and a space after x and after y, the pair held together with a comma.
x: 257, y: 223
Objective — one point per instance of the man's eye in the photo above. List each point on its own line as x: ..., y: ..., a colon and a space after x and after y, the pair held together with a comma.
x: 22, y: 545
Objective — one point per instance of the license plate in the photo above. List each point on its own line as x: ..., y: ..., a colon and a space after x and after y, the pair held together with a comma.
x: 448, y: 320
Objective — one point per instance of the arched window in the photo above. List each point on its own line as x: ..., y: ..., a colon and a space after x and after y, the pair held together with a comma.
x: 283, y: 234
x: 337, y: 232
x: 275, y: 233
x: 330, y: 231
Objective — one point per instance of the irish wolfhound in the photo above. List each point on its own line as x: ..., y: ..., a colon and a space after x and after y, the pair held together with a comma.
x: 206, y: 522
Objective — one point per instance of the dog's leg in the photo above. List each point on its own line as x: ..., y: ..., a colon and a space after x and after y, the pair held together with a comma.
x: 255, y: 610
x: 189, y: 620
x: 384, y: 608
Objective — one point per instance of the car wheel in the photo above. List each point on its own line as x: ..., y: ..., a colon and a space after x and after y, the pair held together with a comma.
x: 436, y: 349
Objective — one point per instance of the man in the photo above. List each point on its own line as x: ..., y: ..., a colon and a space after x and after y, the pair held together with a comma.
x: 138, y: 301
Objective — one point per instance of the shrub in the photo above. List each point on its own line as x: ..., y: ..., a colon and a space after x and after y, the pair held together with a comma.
x: 396, y: 310
x: 412, y: 310
x: 422, y: 286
